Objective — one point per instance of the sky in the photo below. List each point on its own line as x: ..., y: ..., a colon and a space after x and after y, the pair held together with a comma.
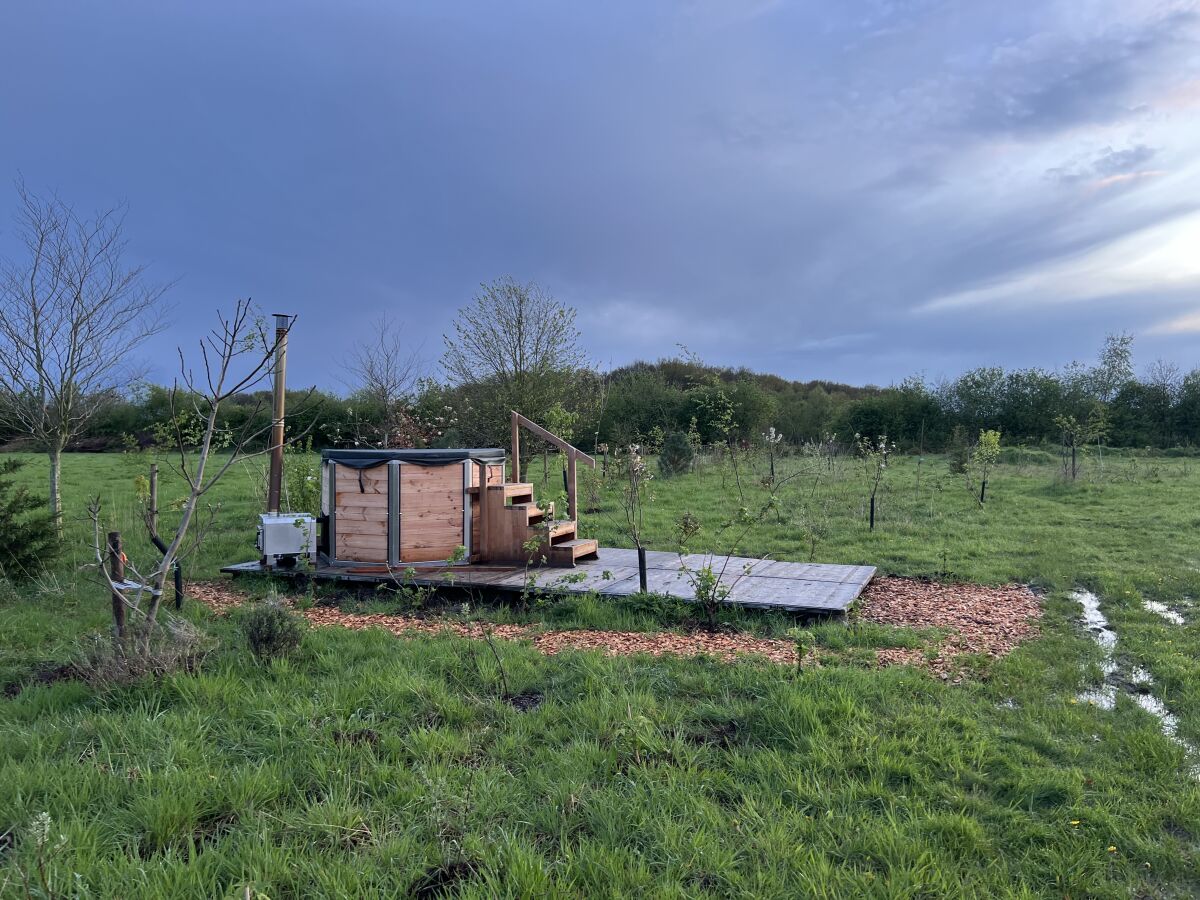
x: 857, y: 191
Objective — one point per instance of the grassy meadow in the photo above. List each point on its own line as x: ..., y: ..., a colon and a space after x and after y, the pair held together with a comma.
x: 364, y: 765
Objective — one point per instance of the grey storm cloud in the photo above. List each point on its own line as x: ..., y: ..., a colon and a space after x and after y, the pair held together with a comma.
x: 858, y: 190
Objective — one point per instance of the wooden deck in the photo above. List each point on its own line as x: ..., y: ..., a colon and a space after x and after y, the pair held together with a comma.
x: 755, y: 583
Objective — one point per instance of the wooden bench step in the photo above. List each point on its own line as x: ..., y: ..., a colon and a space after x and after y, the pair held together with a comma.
x: 566, y: 553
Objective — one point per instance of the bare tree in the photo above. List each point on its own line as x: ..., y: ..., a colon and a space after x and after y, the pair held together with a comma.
x: 1165, y: 382
x: 384, y: 373
x: 518, y: 348
x: 72, y: 315
x: 236, y: 356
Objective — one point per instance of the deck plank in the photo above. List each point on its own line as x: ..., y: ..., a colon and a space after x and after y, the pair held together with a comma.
x: 770, y: 584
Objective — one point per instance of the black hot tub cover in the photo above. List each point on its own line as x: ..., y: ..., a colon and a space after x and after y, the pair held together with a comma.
x: 369, y: 459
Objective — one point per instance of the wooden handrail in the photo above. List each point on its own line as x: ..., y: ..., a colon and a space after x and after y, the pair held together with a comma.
x: 550, y: 437
x: 574, y: 455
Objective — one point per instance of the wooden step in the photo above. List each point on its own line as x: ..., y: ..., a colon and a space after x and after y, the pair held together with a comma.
x: 561, y: 532
x: 567, y: 553
x: 534, y: 514
x: 510, y: 489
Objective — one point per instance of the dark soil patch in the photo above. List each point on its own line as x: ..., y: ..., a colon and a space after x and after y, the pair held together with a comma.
x: 208, y: 831
x: 525, y: 701
x: 366, y: 736
x: 49, y: 673
x: 440, y: 881
x: 721, y: 734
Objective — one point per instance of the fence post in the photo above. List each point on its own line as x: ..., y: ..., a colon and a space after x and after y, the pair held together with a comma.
x: 116, y: 568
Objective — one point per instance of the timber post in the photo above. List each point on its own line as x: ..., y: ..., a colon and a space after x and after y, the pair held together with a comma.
x: 153, y: 498
x: 116, y: 569
x: 572, y: 489
x: 515, y: 468
x: 283, y: 324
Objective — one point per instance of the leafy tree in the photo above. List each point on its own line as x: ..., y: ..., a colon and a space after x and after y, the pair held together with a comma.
x: 1114, y: 369
x: 984, y: 459
x: 516, y: 347
x: 1188, y: 408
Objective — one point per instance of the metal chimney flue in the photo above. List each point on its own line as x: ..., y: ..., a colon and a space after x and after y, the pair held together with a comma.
x: 283, y: 324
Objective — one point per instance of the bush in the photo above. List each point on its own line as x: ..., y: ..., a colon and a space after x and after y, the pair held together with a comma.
x: 175, y: 645
x: 271, y: 629
x: 958, y: 450
x: 29, y: 538
x: 676, y: 455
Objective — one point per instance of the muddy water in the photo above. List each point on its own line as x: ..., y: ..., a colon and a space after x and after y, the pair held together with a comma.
x: 1141, y: 680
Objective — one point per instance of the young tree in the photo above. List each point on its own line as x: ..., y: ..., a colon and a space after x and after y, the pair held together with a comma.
x: 874, y: 455
x: 516, y: 347
x: 72, y: 316
x: 236, y: 356
x: 29, y: 539
x: 985, y: 457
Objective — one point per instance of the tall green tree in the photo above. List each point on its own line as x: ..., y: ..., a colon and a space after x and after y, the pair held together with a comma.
x: 515, y: 347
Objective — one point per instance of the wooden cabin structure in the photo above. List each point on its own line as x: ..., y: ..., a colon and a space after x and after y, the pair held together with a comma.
x: 403, y: 507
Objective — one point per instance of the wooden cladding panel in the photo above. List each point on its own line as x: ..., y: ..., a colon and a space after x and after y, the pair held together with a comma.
x: 495, y: 474
x: 431, y: 512
x: 361, y: 497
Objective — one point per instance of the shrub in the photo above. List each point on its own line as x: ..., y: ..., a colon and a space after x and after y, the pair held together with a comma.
x: 958, y: 450
x: 676, y: 455
x: 173, y: 645
x: 29, y: 538
x: 271, y: 629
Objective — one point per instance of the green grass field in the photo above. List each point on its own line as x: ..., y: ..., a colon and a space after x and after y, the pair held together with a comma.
x: 365, y: 765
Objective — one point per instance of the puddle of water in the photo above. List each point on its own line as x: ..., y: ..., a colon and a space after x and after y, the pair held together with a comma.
x: 1140, y: 676
x: 1163, y: 610
x: 1158, y: 709
x: 1102, y: 697
x: 1105, y: 696
x: 1097, y: 623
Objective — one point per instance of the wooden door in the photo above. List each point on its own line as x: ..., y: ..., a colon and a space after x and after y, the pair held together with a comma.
x: 431, y: 512
x: 361, y: 514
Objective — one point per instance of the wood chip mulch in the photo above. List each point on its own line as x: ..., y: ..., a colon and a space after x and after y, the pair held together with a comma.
x: 991, y: 621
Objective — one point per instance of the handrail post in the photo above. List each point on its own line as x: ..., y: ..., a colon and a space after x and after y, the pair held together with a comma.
x: 572, y: 490
x: 515, y: 468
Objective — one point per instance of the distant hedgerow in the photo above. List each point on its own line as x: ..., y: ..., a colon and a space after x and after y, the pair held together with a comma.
x: 29, y: 539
